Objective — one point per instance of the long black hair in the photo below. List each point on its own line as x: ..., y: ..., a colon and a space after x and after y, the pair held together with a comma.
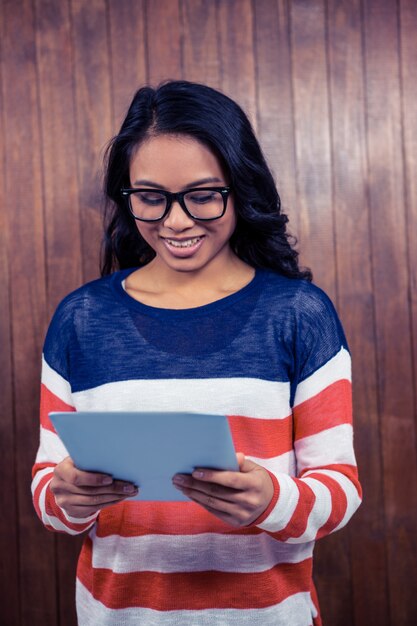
x: 205, y: 114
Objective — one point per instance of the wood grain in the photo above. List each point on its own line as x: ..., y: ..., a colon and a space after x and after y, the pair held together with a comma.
x: 331, y: 87
x: 275, y: 100
x: 365, y: 535
x: 23, y: 175
x: 408, y: 28
x: 236, y: 29
x: 9, y: 547
x: 94, y: 121
x: 312, y: 137
x: 201, y: 59
x: 127, y: 54
x: 163, y: 41
x: 392, y: 313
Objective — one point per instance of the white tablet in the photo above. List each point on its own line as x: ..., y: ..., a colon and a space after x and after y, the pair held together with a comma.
x: 146, y: 449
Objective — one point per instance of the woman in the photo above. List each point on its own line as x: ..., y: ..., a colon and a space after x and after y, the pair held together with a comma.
x: 209, y: 312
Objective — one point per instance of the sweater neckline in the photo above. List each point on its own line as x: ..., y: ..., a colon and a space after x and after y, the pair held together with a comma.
x: 206, y: 309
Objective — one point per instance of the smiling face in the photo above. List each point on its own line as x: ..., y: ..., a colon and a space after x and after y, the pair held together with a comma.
x: 176, y: 163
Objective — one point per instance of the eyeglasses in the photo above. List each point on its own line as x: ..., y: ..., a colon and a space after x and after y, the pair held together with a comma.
x: 201, y: 203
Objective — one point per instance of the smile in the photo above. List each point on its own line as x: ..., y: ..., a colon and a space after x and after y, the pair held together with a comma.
x: 185, y: 243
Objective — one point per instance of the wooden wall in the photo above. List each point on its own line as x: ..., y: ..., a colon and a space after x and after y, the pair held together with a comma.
x: 331, y: 87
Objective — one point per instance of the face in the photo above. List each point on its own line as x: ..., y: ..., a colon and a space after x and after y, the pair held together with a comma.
x: 176, y: 163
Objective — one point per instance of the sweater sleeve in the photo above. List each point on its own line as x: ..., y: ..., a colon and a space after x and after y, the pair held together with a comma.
x: 325, y: 492
x: 55, y: 396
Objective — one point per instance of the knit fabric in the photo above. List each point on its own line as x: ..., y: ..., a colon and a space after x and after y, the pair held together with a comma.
x: 274, y: 359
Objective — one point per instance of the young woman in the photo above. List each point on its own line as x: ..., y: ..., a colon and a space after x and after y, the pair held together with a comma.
x: 208, y: 312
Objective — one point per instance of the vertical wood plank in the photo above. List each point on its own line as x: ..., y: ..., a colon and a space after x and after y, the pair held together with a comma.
x: 353, y: 245
x: 390, y: 276
x: 312, y: 137
x: 94, y: 121
x: 60, y: 153
x: 201, y: 61
x: 236, y: 28
x: 9, y: 567
x: 128, y: 54
x: 408, y: 24
x: 275, y: 103
x: 163, y: 41
x: 23, y: 175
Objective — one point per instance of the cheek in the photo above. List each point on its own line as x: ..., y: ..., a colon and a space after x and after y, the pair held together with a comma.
x: 146, y: 232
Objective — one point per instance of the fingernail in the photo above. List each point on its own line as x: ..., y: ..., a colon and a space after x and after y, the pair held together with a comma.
x: 198, y: 474
x: 107, y: 480
x: 180, y: 480
x: 129, y: 488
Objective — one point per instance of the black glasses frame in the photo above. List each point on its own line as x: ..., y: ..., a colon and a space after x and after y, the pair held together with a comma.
x: 177, y: 197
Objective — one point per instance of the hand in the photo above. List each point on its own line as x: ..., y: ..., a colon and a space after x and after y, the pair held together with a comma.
x: 82, y: 494
x: 237, y: 498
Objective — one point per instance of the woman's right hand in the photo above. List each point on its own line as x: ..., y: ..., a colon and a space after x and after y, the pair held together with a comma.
x: 82, y: 494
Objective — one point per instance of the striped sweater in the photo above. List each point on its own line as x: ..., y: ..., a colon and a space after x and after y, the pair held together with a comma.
x: 274, y: 359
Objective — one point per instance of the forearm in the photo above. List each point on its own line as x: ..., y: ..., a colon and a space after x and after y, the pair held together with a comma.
x: 316, y: 504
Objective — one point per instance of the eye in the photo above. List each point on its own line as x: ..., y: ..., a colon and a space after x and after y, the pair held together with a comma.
x: 150, y: 198
x: 202, y: 197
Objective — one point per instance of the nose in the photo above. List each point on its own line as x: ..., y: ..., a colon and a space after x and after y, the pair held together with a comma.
x: 177, y: 219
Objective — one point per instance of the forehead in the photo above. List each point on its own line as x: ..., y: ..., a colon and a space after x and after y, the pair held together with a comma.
x: 174, y: 154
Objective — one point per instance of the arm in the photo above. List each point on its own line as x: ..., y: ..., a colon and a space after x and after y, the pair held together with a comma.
x: 65, y: 498
x: 325, y: 492
x: 55, y: 396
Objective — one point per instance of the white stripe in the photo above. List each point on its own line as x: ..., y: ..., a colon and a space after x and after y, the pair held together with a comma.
x: 56, y: 383
x: 320, y: 512
x: 250, y: 397
x: 353, y: 498
x: 334, y: 445
x: 297, y: 610
x: 195, y: 553
x: 284, y: 463
x: 38, y: 477
x: 51, y: 448
x: 338, y: 368
x: 284, y: 509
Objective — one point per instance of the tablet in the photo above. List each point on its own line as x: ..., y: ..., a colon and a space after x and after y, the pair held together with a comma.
x: 146, y: 449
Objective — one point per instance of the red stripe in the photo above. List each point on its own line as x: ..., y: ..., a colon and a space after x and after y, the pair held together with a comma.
x: 51, y: 402
x: 299, y: 519
x: 350, y: 471
x: 273, y: 502
x: 38, y: 491
x: 339, y: 503
x: 331, y: 407
x: 164, y: 518
x: 263, y: 438
x: 40, y: 466
x: 194, y: 590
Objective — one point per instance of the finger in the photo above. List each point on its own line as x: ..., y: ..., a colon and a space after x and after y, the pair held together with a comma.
x: 83, y: 510
x: 232, y: 480
x: 67, y: 471
x: 117, y: 488
x: 80, y: 505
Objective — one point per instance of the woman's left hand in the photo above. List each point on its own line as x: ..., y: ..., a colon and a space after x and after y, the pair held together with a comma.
x: 237, y: 498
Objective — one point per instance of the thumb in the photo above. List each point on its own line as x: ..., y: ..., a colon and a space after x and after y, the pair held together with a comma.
x: 245, y: 465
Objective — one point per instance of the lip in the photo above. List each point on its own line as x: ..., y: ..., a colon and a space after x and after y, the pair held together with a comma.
x: 186, y: 251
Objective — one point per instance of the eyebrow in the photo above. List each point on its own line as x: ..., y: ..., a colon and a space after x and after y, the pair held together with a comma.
x: 195, y: 183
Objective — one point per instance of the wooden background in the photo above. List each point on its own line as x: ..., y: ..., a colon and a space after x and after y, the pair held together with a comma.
x: 331, y: 87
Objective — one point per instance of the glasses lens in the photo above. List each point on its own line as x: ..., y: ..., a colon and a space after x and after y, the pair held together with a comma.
x: 147, y: 205
x: 204, y: 203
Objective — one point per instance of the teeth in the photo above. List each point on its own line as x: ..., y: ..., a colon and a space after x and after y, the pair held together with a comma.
x: 183, y: 244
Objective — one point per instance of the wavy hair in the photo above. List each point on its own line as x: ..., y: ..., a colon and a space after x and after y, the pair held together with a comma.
x: 205, y: 114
